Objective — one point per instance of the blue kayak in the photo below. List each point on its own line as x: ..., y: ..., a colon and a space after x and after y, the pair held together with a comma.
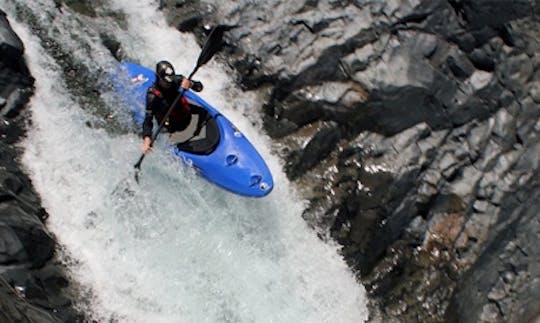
x: 220, y: 153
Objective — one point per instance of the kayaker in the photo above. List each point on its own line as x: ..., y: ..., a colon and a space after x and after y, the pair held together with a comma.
x: 159, y: 98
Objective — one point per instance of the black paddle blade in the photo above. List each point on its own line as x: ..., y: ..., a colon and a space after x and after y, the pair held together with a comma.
x: 212, y: 44
x: 137, y: 170
x: 137, y: 167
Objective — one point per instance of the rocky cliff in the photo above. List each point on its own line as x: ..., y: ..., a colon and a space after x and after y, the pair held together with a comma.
x: 413, y: 129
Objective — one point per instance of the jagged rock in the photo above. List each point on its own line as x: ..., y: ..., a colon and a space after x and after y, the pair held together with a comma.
x: 317, y: 148
x: 190, y: 17
x: 14, y: 309
x: 460, y: 66
x: 506, y: 273
x: 535, y: 91
x: 11, y: 46
x: 515, y: 71
x: 482, y: 60
x: 113, y: 46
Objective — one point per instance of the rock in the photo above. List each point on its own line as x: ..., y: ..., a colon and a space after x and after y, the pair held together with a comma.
x: 428, y: 44
x: 514, y: 245
x: 460, y: 66
x: 16, y: 102
x: 494, y: 13
x: 113, y: 46
x: 83, y: 7
x: 11, y: 46
x: 515, y: 72
x: 534, y: 91
x: 317, y: 149
x: 15, y: 309
x: 482, y: 60
x: 480, y: 79
x: 11, y: 248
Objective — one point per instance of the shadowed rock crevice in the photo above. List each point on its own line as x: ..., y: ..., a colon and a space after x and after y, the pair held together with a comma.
x: 509, y: 277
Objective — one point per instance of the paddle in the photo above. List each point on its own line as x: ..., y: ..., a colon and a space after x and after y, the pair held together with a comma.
x: 211, y: 46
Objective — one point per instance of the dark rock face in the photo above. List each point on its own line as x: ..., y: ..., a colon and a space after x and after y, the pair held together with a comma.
x: 31, y: 282
x: 422, y: 123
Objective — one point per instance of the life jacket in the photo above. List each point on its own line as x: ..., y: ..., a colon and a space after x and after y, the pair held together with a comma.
x: 183, y: 100
x: 183, y: 103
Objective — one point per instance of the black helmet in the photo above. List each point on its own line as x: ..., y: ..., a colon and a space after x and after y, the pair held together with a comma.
x: 165, y: 71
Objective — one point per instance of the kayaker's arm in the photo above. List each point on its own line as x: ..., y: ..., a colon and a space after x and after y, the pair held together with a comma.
x: 148, y: 123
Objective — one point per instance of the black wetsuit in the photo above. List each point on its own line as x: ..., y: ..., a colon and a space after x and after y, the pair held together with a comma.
x: 158, y: 102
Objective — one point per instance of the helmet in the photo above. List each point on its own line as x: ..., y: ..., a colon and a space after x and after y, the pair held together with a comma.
x: 165, y: 71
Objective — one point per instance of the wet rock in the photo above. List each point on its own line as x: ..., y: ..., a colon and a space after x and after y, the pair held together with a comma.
x: 482, y: 60
x: 187, y: 16
x: 535, y: 91
x: 44, y: 288
x: 113, y: 46
x: 516, y: 71
x: 16, y: 102
x: 11, y: 248
x: 480, y: 79
x: 13, y: 308
x: 493, y: 13
x: 510, y: 240
x: 317, y: 149
x: 11, y: 46
x: 460, y: 66
x: 83, y: 7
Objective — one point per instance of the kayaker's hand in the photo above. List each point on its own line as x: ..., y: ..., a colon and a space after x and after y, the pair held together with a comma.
x: 197, y: 86
x: 186, y: 83
x: 146, y: 146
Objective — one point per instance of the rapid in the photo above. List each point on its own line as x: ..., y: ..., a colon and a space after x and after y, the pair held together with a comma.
x: 173, y: 248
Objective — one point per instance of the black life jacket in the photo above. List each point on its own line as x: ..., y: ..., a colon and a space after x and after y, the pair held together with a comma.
x: 177, y: 116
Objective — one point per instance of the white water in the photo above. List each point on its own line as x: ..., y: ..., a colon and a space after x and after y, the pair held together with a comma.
x: 175, y: 248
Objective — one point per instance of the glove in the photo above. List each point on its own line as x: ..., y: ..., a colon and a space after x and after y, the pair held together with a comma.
x: 197, y: 86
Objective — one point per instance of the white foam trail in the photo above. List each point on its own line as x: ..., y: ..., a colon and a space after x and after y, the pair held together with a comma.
x: 175, y: 248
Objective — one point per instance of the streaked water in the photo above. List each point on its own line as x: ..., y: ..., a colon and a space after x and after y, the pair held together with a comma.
x: 174, y: 248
